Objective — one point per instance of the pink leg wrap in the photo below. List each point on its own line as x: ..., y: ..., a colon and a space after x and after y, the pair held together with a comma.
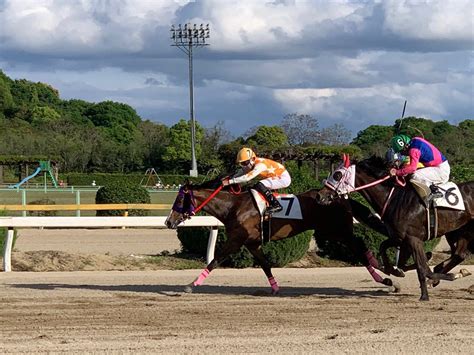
x: 273, y: 284
x: 374, y: 274
x: 371, y: 259
x: 201, y: 278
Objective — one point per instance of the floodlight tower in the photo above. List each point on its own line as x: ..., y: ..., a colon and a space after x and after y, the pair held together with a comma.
x: 185, y: 38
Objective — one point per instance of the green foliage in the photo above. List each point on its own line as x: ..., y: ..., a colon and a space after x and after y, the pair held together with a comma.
x: 278, y: 253
x: 302, y: 177
x: 177, y: 155
x: 267, y: 138
x: 43, y: 114
x: 374, y: 139
x: 122, y: 193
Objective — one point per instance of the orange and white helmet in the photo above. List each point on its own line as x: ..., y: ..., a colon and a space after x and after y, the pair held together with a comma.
x: 245, y: 154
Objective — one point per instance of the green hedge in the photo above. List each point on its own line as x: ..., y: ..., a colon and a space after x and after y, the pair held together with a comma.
x: 278, y: 254
x: 116, y: 192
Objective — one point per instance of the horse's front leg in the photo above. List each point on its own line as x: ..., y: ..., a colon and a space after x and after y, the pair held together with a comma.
x: 255, y: 248
x: 422, y: 269
x: 232, y: 245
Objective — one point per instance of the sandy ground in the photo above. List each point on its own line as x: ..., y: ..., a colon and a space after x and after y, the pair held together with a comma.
x: 319, y: 311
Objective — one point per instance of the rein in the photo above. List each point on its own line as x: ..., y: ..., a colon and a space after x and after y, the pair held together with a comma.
x: 210, y: 197
x: 373, y: 183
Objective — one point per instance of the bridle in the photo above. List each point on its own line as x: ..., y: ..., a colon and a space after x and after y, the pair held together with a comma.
x: 342, y: 178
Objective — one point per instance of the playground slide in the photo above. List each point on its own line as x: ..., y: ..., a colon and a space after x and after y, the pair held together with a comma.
x: 37, y: 171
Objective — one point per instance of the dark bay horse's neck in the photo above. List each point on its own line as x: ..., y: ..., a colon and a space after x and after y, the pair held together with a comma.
x: 376, y: 195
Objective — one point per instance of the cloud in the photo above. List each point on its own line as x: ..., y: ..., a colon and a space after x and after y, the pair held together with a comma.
x: 351, y: 62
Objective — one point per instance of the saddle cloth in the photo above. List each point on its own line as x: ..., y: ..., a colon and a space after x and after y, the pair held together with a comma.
x: 290, y: 203
x: 452, y: 197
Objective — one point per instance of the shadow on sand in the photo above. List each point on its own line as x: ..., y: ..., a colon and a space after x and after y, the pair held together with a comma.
x: 178, y: 290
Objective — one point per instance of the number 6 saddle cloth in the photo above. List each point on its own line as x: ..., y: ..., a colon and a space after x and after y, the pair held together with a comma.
x: 290, y: 203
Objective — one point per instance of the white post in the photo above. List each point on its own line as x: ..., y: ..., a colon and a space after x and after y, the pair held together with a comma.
x: 7, y: 250
x: 211, y: 245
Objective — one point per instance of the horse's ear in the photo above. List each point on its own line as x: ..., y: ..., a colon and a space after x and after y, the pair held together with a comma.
x: 347, y: 161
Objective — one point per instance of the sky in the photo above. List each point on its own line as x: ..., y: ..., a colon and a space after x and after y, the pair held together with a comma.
x: 343, y: 62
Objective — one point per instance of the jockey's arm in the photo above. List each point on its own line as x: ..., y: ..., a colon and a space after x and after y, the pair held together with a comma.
x: 258, y: 168
x: 410, y: 168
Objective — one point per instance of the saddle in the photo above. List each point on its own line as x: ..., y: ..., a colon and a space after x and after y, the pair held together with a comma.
x: 291, y: 210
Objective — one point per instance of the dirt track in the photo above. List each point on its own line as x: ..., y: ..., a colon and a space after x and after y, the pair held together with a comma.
x: 331, y: 311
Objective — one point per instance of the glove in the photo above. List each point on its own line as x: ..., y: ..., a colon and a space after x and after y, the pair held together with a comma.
x: 225, y: 181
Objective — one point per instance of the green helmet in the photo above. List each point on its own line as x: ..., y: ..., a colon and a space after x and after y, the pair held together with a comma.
x: 400, y: 142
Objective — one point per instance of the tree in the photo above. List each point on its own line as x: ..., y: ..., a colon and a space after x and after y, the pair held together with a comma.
x: 301, y: 129
x: 267, y: 138
x: 336, y: 134
x: 177, y: 154
x: 374, y: 139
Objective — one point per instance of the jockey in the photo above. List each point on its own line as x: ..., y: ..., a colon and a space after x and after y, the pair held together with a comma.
x: 273, y: 176
x: 436, y: 167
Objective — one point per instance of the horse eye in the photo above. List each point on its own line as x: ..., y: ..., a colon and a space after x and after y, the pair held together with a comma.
x: 337, y: 176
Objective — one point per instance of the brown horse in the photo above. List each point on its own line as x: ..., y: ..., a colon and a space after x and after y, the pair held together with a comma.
x: 405, y: 216
x: 242, y: 221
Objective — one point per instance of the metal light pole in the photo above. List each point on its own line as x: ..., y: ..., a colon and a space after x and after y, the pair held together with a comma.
x: 185, y: 38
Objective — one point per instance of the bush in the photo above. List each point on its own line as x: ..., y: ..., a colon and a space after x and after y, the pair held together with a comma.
x: 278, y: 253
x: 43, y: 201
x: 122, y: 193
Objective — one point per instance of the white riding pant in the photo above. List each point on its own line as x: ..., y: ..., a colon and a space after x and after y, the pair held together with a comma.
x: 280, y: 182
x: 433, y: 174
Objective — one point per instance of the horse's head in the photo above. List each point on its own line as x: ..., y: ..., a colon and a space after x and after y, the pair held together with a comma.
x: 183, y: 207
x: 343, y: 179
x: 339, y: 183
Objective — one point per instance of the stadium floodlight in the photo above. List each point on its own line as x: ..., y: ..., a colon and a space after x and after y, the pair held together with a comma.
x: 186, y: 37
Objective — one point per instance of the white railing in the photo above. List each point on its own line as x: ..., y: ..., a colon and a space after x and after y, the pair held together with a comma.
x: 100, y: 222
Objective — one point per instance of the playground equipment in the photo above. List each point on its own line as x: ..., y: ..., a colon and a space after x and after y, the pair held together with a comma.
x: 44, y: 166
x: 152, y: 179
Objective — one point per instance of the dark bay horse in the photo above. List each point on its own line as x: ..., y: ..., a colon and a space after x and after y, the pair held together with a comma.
x: 405, y: 216
x: 242, y: 223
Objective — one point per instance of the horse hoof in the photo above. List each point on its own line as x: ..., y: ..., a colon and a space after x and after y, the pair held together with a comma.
x: 429, y: 255
x: 465, y: 272
x: 435, y: 283
x: 188, y: 289
x: 396, y: 287
x: 275, y: 293
x: 398, y: 273
x: 424, y: 298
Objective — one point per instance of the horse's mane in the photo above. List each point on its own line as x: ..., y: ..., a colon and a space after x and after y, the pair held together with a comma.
x: 375, y: 166
x: 209, y: 184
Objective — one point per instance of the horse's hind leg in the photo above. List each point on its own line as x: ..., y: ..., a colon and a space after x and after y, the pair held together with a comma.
x: 459, y: 241
x: 256, y: 250
x: 231, y: 246
x: 387, y: 266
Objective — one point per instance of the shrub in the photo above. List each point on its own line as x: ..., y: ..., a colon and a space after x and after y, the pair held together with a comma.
x: 122, y: 193
x: 43, y: 201
x: 279, y: 253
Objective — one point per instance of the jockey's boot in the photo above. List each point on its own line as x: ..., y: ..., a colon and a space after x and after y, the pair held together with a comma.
x: 435, y: 192
x: 273, y: 204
